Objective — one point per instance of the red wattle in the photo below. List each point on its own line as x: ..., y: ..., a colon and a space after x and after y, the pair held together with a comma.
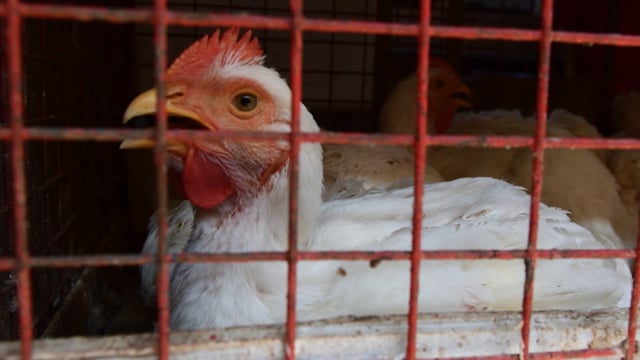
x: 443, y: 122
x: 205, y: 183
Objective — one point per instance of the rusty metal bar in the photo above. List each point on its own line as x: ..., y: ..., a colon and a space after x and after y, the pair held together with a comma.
x: 490, y: 357
x: 116, y: 135
x: 574, y: 354
x: 8, y: 264
x: 591, y: 39
x: 200, y: 19
x: 83, y: 13
x: 16, y: 120
x: 420, y: 154
x: 539, y: 142
x: 294, y: 173
x: 160, y: 158
x: 632, y: 328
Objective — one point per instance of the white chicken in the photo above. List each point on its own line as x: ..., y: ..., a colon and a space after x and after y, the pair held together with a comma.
x: 576, y: 180
x: 240, y: 193
x: 347, y: 169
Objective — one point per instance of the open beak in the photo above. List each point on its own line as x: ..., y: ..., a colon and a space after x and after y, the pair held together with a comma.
x: 462, y: 97
x: 146, y: 104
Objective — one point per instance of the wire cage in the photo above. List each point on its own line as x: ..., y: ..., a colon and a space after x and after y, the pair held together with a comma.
x: 74, y: 217
x: 66, y: 179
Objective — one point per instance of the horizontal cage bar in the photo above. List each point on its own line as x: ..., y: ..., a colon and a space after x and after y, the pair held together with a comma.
x: 186, y: 18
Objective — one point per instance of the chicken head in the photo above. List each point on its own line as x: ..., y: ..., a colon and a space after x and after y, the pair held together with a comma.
x: 219, y: 84
x: 446, y: 94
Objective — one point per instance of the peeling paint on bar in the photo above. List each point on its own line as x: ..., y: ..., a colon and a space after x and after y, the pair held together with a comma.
x: 200, y: 19
x: 116, y: 135
x: 295, y: 142
x: 539, y: 141
x: 160, y: 158
x: 18, y: 181
x: 7, y: 264
x: 420, y: 157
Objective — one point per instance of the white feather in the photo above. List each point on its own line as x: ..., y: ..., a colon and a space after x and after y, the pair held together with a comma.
x: 472, y: 213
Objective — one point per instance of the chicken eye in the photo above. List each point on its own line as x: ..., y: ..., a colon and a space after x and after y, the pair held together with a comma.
x: 245, y: 102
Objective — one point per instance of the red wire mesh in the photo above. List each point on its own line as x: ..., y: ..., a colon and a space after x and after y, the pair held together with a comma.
x: 73, y: 191
x: 16, y: 123
x: 14, y: 209
x: 160, y: 159
x: 8, y: 329
x: 536, y: 173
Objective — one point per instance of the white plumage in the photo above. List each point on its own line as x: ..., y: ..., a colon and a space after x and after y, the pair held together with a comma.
x: 478, y: 213
x: 471, y: 213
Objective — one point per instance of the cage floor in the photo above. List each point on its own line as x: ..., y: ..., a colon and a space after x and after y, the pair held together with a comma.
x: 598, y: 334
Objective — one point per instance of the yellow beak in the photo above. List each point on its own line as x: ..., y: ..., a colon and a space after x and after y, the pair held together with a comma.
x: 462, y: 97
x: 146, y: 104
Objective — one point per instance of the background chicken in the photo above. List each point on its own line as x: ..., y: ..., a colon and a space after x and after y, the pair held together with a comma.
x: 447, y: 95
x: 240, y: 193
x: 576, y: 180
x: 381, y: 165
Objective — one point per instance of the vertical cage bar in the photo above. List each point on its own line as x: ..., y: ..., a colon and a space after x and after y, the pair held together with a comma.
x: 332, y: 63
x: 635, y: 301
x: 16, y: 119
x: 420, y: 150
x: 160, y: 157
x: 294, y: 164
x: 539, y: 143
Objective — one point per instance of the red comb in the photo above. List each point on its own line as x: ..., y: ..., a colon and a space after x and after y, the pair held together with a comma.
x: 222, y: 49
x: 440, y: 63
x: 622, y: 89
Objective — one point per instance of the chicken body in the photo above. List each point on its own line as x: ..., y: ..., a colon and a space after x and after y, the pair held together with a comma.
x: 446, y: 92
x: 350, y: 169
x: 463, y: 214
x: 240, y: 192
x: 576, y: 180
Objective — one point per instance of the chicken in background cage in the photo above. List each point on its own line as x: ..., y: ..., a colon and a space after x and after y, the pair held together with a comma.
x: 284, y: 240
